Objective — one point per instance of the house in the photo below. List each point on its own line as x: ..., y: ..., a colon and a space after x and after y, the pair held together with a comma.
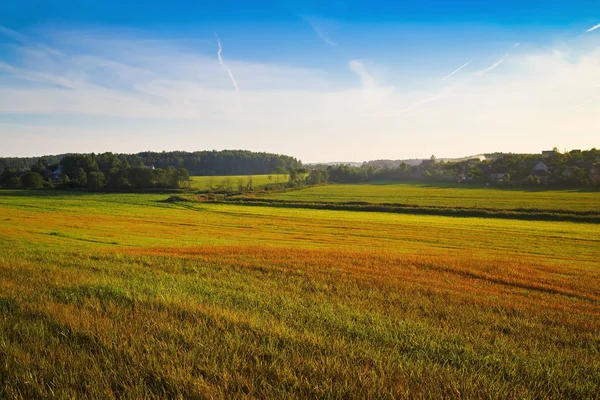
x: 541, y: 171
x: 548, y: 153
x: 497, y: 176
x: 427, y: 163
x: 540, y: 168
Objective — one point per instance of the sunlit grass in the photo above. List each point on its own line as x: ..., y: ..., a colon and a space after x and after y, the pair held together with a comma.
x: 258, y: 181
x: 123, y: 295
x: 449, y: 195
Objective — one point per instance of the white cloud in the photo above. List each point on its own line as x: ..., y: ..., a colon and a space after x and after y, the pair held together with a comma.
x: 181, y: 99
x: 366, y: 79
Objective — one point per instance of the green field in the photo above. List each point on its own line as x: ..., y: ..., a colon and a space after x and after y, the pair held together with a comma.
x: 130, y: 296
x: 259, y: 181
x: 449, y: 196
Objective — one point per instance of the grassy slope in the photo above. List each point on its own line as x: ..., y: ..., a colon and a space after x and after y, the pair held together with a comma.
x: 449, y: 196
x: 126, y: 296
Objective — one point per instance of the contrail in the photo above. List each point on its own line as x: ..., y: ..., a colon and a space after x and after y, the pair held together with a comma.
x: 457, y: 70
x: 320, y: 33
x: 222, y: 64
x: 593, y: 28
x: 433, y: 97
x: 493, y: 66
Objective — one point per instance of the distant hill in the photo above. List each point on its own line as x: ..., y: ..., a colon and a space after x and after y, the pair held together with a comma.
x: 334, y: 163
x: 395, y: 163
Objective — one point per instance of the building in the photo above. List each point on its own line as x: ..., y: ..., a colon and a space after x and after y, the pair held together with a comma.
x: 548, y: 153
x: 497, y: 176
x: 540, y: 168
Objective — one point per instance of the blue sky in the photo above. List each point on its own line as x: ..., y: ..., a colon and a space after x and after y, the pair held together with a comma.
x: 321, y: 80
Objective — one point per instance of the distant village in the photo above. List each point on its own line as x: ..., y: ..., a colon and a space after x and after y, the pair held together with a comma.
x: 575, y: 168
x: 581, y: 168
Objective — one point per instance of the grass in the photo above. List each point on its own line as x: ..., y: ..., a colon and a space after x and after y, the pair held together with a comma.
x: 449, y: 195
x: 259, y: 181
x: 124, y: 295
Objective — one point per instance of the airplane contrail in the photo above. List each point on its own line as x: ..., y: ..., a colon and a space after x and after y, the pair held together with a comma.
x: 320, y: 33
x: 222, y: 64
x: 593, y: 28
x: 457, y: 70
x: 494, y: 66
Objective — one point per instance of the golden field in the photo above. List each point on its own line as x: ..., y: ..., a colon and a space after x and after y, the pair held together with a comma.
x: 129, y: 296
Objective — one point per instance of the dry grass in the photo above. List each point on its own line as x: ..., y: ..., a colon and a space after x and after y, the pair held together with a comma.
x: 124, y: 296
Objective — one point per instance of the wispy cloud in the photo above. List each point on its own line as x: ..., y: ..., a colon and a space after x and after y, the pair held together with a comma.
x: 91, y: 87
x: 584, y: 103
x: 18, y: 37
x: 456, y: 70
x: 222, y: 64
x: 37, y: 77
x: 366, y: 79
x: 593, y: 28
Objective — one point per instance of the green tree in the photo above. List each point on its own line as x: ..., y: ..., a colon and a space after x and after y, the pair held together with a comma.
x: 32, y: 180
x: 140, y: 177
x: 96, y: 180
x: 80, y: 176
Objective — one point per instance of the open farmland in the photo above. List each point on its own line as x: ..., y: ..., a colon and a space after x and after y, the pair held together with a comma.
x: 126, y: 295
x: 449, y: 195
x: 258, y: 181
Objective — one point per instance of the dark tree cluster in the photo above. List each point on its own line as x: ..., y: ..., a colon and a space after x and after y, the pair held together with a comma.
x: 226, y: 162
x: 94, y: 172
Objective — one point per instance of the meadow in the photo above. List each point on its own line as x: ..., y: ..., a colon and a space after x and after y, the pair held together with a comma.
x: 258, y: 181
x: 131, y: 296
x: 450, y: 195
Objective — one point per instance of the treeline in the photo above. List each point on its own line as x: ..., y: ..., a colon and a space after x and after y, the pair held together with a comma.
x: 94, y: 172
x: 574, y: 169
x: 226, y: 162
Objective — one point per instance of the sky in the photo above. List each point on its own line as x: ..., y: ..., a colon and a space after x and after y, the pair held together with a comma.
x: 339, y: 80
